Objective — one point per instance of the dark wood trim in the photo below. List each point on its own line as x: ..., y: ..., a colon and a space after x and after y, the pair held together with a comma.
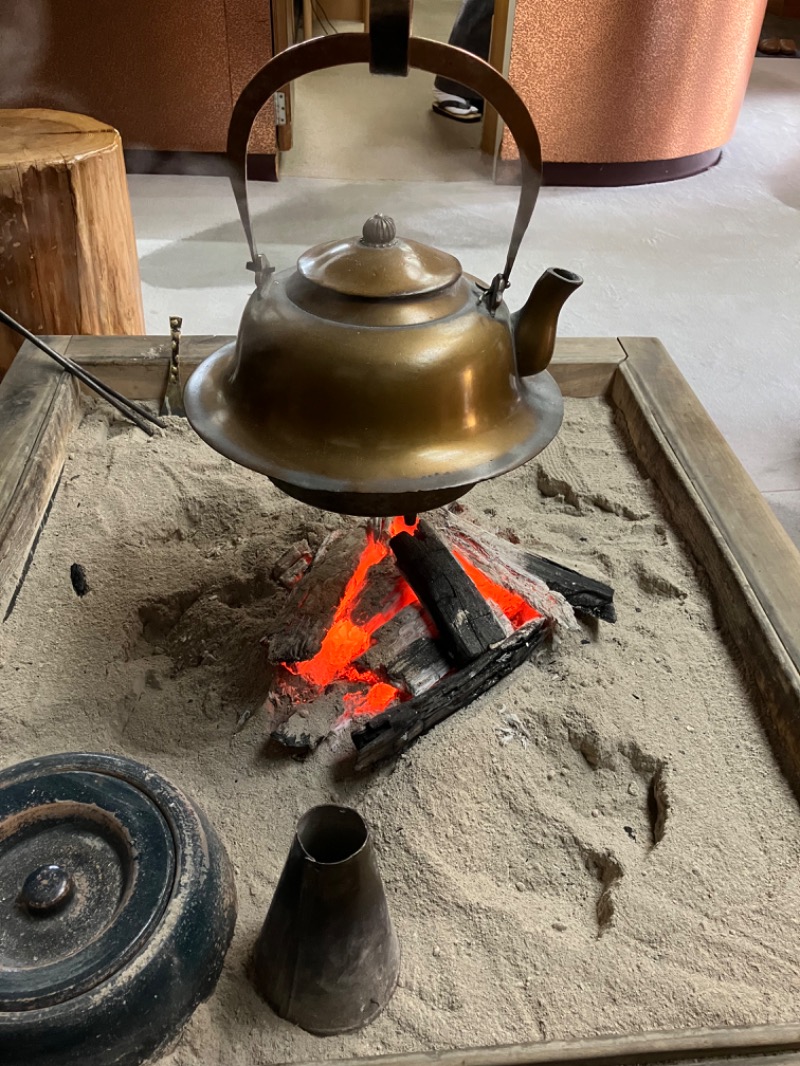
x: 138, y: 366
x: 680, y: 1047
x: 604, y: 175
x: 729, y: 528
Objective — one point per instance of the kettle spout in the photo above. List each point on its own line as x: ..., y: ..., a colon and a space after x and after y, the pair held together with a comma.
x: 535, y: 324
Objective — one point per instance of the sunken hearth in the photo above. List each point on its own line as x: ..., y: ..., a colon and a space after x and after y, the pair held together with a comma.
x: 391, y: 626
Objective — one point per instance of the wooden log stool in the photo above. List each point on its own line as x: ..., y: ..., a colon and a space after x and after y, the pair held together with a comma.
x: 67, y: 250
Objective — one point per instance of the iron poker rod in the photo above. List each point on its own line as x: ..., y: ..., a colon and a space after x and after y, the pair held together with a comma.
x: 139, y: 415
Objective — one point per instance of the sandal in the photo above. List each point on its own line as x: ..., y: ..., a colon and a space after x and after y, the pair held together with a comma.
x: 458, y: 110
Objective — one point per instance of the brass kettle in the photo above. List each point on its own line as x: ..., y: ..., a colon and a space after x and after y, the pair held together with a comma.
x: 377, y: 378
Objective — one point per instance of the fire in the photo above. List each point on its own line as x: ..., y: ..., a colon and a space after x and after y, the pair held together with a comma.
x: 516, y: 609
x: 376, y: 699
x: 346, y: 641
x: 401, y: 525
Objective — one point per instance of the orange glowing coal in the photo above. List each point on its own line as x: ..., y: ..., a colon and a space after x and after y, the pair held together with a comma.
x: 346, y: 641
x: 516, y: 609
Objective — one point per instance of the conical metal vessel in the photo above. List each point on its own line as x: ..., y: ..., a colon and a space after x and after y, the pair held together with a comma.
x: 327, y: 958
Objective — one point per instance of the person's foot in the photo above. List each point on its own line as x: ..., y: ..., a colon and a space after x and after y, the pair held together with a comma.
x: 455, y: 107
x: 777, y: 46
x: 769, y: 46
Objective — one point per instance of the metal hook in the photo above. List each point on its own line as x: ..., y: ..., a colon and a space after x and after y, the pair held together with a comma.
x: 172, y: 404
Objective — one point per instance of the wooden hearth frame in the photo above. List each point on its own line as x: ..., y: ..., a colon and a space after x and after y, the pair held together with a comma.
x: 712, y: 503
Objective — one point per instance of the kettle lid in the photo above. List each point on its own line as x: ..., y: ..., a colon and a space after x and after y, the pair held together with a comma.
x: 379, y: 264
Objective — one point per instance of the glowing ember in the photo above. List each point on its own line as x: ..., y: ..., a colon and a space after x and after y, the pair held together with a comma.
x: 517, y: 610
x: 346, y: 641
x: 373, y: 701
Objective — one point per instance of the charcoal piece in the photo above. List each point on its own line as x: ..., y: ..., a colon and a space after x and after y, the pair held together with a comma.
x: 583, y: 594
x: 293, y: 564
x: 418, y: 666
x: 379, y: 593
x: 393, y: 636
x: 395, y: 730
x: 306, y: 728
x: 406, y: 653
x: 465, y: 622
x: 77, y: 576
x: 309, y: 610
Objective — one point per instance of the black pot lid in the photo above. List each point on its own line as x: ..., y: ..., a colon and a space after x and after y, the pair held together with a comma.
x: 87, y: 866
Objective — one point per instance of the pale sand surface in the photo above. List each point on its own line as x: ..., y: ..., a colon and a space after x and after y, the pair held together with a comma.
x: 503, y: 862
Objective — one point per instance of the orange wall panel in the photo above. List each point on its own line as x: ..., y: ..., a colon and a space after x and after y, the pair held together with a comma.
x: 632, y: 80
x: 165, y: 74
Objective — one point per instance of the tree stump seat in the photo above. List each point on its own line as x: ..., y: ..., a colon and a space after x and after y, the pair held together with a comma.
x: 68, y: 260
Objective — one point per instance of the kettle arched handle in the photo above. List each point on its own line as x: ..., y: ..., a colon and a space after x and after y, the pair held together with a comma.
x: 321, y: 53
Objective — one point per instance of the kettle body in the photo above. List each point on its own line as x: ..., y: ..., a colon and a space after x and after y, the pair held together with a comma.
x: 377, y: 378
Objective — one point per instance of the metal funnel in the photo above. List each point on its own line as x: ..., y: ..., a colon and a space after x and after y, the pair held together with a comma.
x: 327, y: 957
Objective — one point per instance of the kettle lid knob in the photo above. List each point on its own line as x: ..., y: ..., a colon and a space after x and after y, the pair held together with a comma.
x: 379, y: 231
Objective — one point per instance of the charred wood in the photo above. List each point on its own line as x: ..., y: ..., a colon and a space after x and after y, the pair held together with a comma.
x: 379, y: 592
x: 308, y: 726
x: 418, y: 666
x: 583, y: 594
x: 507, y: 563
x: 395, y: 730
x: 464, y: 620
x: 393, y: 636
x: 293, y: 564
x: 407, y: 653
x: 310, y: 608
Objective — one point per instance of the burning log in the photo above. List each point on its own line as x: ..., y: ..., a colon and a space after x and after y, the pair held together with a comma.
x: 398, y: 613
x: 509, y: 564
x: 378, y: 592
x: 406, y: 651
x: 308, y: 612
x: 395, y: 730
x: 466, y: 623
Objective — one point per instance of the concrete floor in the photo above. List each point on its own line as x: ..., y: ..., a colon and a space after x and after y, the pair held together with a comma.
x: 710, y: 265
